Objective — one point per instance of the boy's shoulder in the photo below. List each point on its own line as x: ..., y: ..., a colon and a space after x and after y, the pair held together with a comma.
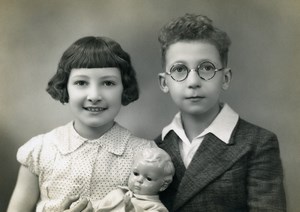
x: 245, y: 127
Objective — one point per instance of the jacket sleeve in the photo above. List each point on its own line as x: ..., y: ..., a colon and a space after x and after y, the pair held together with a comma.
x: 265, y: 175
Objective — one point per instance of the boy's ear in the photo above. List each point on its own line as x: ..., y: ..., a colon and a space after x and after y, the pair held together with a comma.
x: 226, y: 78
x: 162, y: 82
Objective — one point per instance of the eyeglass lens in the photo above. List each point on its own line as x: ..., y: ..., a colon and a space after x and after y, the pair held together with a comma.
x: 205, y: 70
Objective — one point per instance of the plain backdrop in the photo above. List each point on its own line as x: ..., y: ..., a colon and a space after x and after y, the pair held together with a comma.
x: 264, y: 57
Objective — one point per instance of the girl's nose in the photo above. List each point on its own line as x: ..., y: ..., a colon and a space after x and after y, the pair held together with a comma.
x: 193, y: 79
x: 94, y: 95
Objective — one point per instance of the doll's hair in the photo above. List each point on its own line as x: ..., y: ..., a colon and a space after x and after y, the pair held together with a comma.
x: 191, y: 27
x: 158, y: 157
x: 94, y: 52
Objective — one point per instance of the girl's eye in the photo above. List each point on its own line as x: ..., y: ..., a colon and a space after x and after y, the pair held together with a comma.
x: 149, y: 179
x: 109, y: 83
x: 80, y: 83
x: 135, y: 174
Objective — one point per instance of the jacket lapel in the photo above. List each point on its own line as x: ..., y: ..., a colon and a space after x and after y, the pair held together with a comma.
x: 170, y: 145
x: 211, y: 160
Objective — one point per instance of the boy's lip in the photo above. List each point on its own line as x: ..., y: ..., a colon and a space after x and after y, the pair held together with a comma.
x: 195, y: 97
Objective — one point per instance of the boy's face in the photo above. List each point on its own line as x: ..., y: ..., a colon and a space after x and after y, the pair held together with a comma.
x: 195, y: 96
x: 146, y: 178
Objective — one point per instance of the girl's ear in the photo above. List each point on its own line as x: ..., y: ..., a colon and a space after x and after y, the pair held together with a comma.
x: 162, y: 82
x: 226, y: 78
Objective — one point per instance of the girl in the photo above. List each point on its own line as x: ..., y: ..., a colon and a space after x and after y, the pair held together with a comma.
x: 91, y: 155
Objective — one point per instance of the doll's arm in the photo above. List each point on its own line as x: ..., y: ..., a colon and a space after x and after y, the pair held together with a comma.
x: 265, y: 177
x: 26, y: 192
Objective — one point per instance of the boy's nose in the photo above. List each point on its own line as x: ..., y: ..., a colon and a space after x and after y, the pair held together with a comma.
x: 193, y: 79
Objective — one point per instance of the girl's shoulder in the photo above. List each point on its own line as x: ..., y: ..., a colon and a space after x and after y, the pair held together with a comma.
x: 134, y: 141
x: 33, y: 147
x: 52, y: 135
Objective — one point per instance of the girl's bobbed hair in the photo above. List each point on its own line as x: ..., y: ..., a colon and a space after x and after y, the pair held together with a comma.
x: 94, y: 52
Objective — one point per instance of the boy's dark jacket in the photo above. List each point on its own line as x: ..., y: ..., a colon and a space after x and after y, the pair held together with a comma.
x: 244, y: 175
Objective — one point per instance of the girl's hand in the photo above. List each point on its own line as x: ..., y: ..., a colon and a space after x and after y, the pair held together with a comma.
x: 84, y: 205
x: 128, y: 204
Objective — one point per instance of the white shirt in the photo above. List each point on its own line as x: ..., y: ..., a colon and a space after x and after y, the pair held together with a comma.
x: 222, y: 127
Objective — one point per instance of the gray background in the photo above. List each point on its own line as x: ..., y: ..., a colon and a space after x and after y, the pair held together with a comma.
x: 264, y: 58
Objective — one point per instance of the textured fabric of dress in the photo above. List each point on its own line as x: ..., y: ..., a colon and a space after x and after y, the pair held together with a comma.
x: 68, y: 164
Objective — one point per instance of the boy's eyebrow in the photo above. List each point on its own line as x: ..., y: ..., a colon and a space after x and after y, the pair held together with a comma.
x: 198, y: 62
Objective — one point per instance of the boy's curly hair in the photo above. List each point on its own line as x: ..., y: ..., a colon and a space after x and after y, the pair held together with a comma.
x: 94, y: 52
x: 191, y: 27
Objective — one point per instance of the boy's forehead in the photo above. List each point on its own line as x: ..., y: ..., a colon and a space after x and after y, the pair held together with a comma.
x: 192, y: 51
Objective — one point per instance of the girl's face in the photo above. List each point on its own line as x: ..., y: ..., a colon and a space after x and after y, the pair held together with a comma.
x: 95, y: 99
x: 195, y: 96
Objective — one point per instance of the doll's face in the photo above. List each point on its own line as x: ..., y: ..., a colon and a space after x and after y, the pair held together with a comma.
x: 146, y: 178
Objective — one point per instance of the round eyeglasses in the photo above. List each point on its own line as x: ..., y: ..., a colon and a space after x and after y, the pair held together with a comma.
x: 205, y: 70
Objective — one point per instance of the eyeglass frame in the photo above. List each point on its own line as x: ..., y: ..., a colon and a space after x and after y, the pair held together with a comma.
x: 194, y: 69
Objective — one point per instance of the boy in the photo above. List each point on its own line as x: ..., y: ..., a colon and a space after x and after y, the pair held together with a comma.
x: 222, y: 162
x: 152, y: 172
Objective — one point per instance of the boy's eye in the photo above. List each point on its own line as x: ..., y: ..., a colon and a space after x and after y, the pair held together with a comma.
x: 109, y: 83
x: 207, y: 66
x: 80, y: 83
x: 149, y: 179
x: 179, y: 68
x: 135, y: 174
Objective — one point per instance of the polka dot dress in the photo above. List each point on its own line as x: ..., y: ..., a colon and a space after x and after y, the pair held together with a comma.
x: 68, y: 164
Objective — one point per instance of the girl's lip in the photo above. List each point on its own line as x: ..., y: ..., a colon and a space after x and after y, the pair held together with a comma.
x: 95, y: 109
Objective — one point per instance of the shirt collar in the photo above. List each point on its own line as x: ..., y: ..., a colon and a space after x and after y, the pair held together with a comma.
x: 128, y: 192
x: 222, y: 126
x: 114, y: 140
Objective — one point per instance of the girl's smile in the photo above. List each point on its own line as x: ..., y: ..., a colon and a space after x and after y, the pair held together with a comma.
x: 95, y: 109
x: 95, y: 99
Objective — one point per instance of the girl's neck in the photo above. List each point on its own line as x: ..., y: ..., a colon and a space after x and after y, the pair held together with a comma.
x: 91, y: 133
x: 195, y: 124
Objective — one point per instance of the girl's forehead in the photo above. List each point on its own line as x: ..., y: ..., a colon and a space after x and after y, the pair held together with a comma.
x: 93, y: 72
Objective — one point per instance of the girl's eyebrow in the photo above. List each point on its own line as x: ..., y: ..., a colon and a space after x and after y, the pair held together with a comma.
x: 101, y: 77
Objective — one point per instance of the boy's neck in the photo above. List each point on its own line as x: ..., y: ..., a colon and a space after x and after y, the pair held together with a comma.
x: 195, y: 124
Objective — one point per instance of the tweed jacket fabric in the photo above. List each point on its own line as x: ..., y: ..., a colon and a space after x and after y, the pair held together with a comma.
x: 244, y: 175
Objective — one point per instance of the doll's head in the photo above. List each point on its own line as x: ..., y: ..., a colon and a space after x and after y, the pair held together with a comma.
x: 152, y: 172
x: 94, y: 52
x: 191, y: 27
